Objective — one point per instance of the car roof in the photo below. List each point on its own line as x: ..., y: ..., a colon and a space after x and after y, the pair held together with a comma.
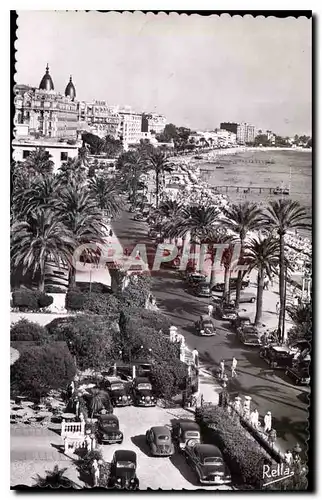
x: 125, y: 455
x: 280, y: 348
x: 161, y: 430
x: 189, y: 425
x: 108, y: 416
x: 207, y: 450
x: 114, y: 380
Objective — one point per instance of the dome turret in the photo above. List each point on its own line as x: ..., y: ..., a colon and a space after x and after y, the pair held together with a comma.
x: 46, y: 82
x: 70, y: 90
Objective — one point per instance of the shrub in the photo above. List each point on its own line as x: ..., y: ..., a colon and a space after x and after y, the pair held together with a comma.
x: 243, y: 456
x: 44, y: 300
x: 90, y: 339
x: 54, y: 289
x: 42, y: 368
x: 137, y: 292
x: 74, y: 300
x: 25, y: 299
x: 25, y: 330
x: 101, y: 303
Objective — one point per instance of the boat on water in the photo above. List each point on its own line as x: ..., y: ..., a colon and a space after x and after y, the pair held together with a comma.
x: 269, y: 162
x: 281, y: 190
x: 220, y: 166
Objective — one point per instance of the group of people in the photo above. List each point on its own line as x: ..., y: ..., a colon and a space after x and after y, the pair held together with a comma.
x: 233, y: 366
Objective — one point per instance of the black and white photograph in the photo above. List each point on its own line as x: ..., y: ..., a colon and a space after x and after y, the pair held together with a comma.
x: 161, y: 251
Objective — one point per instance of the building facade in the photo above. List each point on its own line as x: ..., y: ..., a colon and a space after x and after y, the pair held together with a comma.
x: 99, y: 118
x: 245, y: 132
x: 153, y: 123
x: 131, y: 127
x: 44, y: 112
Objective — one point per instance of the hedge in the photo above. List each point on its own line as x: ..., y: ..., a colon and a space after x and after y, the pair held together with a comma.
x: 42, y: 368
x: 243, y: 456
x: 31, y: 300
x: 74, y: 300
x: 25, y: 330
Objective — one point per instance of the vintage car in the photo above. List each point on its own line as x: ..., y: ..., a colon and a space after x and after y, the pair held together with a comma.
x: 123, y: 471
x: 219, y: 287
x: 108, y: 429
x: 247, y: 297
x: 240, y: 322
x: 143, y: 392
x: 248, y: 335
x: 118, y: 391
x: 159, y: 440
x: 226, y: 311
x: 202, y: 290
x: 300, y: 371
x: 185, y: 431
x: 138, y: 216
x: 207, y: 462
x: 205, y: 326
x: 194, y: 279
x: 277, y: 356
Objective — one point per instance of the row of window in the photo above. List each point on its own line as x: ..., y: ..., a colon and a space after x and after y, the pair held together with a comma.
x: 63, y: 155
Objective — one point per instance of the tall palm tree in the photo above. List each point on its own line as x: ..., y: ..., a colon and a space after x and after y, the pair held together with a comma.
x: 41, y: 193
x: 281, y: 216
x: 82, y: 217
x: 241, y: 219
x: 83, y: 156
x: 131, y: 166
x: 301, y: 316
x: 43, y: 237
x: 226, y: 262
x: 262, y: 254
x: 72, y: 170
x: 39, y: 162
x: 198, y: 221
x: 160, y: 165
x: 106, y: 195
x: 55, y: 479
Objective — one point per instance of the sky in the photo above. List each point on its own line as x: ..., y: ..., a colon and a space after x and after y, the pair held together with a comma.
x: 198, y: 71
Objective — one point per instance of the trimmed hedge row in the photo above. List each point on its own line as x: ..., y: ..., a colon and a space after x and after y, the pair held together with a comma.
x: 242, y: 455
x: 25, y: 330
x: 32, y: 300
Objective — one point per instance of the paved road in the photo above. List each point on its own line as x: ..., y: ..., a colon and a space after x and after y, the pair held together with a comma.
x: 270, y: 391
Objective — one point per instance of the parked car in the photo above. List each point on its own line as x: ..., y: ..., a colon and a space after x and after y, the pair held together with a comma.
x: 246, y: 297
x: 138, y: 216
x: 277, y: 356
x: 185, y: 431
x: 108, y: 429
x: 123, y: 471
x: 219, y: 287
x: 226, y: 311
x: 205, y: 326
x: 300, y: 370
x: 202, y: 290
x: 194, y: 279
x: 154, y: 234
x: 143, y: 392
x: 248, y: 335
x: 159, y: 440
x: 240, y: 322
x: 118, y: 392
x: 207, y: 462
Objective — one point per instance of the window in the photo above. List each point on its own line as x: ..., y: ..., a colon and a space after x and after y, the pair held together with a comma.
x: 25, y: 154
x: 63, y: 156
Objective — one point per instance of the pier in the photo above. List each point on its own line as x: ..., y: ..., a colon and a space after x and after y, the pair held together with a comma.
x: 246, y: 189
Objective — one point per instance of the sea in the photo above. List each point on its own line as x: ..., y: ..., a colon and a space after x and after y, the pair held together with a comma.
x: 290, y: 169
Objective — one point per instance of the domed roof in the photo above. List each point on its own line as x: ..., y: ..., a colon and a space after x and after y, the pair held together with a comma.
x: 70, y: 90
x: 46, y: 82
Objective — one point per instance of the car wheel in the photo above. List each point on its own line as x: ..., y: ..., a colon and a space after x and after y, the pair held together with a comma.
x: 252, y: 300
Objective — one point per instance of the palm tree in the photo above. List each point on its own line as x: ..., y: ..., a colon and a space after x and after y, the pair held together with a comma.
x: 282, y: 216
x: 41, y: 193
x: 55, y: 479
x: 160, y: 165
x: 97, y: 401
x: 226, y: 262
x: 72, y: 169
x: 106, y: 195
x: 44, y: 237
x: 198, y: 221
x: 83, y: 156
x: 82, y: 217
x: 301, y: 316
x: 131, y: 166
x: 261, y: 254
x: 39, y: 162
x: 241, y: 219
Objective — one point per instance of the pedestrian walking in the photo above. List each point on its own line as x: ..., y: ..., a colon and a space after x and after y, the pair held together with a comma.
x: 222, y: 368
x: 268, y: 422
x: 233, y: 368
x: 210, y: 310
x: 278, y: 307
x: 266, y: 283
x: 288, y: 457
x: 111, y: 233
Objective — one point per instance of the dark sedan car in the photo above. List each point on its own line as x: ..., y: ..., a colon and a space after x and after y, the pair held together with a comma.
x: 219, y: 287
x: 108, y: 429
x: 240, y: 322
x: 195, y: 279
x: 202, y: 290
x: 118, y: 392
x: 123, y: 471
x: 159, y: 440
x: 248, y: 335
x: 205, y: 326
x: 143, y: 392
x: 207, y: 461
x: 226, y: 311
x: 300, y: 370
x: 277, y: 356
x: 184, y: 432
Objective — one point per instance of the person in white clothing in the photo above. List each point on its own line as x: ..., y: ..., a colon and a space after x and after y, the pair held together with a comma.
x: 233, y: 368
x: 210, y: 309
x: 268, y: 422
x: 288, y: 457
x: 222, y: 368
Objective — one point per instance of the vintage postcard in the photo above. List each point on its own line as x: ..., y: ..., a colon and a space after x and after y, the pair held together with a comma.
x: 161, y: 251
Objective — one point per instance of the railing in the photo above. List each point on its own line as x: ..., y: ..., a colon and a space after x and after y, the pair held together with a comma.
x: 69, y: 428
